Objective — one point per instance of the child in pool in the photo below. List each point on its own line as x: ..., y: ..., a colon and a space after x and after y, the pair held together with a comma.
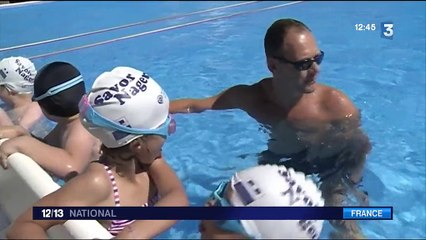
x: 265, y: 185
x: 16, y: 88
x: 69, y: 147
x: 131, y: 170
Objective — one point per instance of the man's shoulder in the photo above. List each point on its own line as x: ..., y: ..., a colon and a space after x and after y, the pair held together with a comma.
x: 252, y: 89
x: 336, y: 102
x: 264, y: 81
x: 243, y: 96
x: 260, y: 86
x: 329, y: 93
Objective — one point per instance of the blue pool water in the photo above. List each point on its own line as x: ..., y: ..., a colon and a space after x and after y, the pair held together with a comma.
x: 385, y: 78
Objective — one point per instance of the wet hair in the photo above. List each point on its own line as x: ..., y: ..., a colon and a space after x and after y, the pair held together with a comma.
x: 276, y: 33
x: 64, y: 103
x: 117, y: 157
x: 121, y: 156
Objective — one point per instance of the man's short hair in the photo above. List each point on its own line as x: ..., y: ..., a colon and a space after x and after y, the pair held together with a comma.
x: 274, y: 37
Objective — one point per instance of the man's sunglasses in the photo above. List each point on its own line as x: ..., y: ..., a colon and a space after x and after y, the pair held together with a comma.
x: 304, y: 64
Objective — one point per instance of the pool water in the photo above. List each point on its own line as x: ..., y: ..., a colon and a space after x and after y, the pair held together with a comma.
x: 385, y: 78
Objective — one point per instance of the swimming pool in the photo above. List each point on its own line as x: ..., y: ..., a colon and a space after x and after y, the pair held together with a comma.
x: 385, y: 78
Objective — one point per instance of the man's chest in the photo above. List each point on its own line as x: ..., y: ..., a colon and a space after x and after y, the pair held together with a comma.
x: 304, y: 116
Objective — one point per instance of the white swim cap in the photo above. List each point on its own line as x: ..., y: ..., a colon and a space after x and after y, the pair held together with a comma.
x: 127, y: 98
x: 18, y: 74
x: 272, y: 185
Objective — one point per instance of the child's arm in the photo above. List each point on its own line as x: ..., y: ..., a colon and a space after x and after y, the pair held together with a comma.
x: 87, y: 189
x: 171, y: 193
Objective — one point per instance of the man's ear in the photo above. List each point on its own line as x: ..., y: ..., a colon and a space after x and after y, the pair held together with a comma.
x: 271, y: 64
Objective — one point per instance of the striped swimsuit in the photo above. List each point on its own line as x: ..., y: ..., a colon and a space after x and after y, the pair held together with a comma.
x: 118, y: 225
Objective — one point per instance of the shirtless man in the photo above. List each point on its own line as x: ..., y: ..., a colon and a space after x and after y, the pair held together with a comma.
x: 69, y: 147
x: 314, y: 128
x: 16, y: 89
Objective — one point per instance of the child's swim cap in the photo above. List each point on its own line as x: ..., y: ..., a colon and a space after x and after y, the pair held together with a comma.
x: 272, y: 185
x: 17, y: 73
x: 123, y: 105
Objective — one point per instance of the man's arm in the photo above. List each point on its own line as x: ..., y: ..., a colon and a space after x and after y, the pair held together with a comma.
x: 230, y: 98
x: 343, y: 116
x: 339, y: 118
x: 74, y: 156
x: 95, y: 190
x: 340, y: 108
x: 346, y: 121
x: 171, y: 193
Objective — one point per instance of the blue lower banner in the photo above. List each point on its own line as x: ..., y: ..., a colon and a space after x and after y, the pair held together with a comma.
x: 212, y: 213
